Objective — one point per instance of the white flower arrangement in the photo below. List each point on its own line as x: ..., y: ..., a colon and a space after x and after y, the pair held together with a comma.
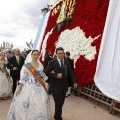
x: 44, y: 43
x: 77, y: 44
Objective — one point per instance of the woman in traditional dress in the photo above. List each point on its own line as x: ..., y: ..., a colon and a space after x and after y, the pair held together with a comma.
x: 31, y: 101
x: 5, y: 81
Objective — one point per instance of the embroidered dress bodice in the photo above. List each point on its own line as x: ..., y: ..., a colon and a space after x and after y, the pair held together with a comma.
x: 33, y: 80
x: 28, y: 77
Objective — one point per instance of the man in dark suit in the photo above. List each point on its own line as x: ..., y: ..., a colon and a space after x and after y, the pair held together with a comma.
x: 67, y: 56
x: 47, y: 58
x: 16, y: 62
x: 58, y: 71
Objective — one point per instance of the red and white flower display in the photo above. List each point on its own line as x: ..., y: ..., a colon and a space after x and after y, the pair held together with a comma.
x: 81, y: 37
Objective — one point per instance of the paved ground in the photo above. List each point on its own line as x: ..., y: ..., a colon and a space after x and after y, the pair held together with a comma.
x: 75, y: 108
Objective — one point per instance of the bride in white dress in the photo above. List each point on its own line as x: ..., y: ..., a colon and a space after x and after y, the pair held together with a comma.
x: 31, y: 101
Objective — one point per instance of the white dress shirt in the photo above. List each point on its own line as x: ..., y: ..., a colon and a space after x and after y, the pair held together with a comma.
x: 59, y: 61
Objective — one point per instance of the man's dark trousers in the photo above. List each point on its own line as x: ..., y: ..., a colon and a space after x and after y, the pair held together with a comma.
x: 59, y: 101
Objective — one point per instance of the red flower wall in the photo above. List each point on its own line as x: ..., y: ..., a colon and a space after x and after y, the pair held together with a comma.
x: 90, y: 15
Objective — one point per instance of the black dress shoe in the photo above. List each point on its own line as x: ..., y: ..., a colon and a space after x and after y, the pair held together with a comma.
x: 59, y: 118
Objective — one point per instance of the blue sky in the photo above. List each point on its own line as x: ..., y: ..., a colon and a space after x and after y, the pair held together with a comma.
x: 19, y: 20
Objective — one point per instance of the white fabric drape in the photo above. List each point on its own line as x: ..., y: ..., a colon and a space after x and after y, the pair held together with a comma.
x: 107, y: 76
x: 41, y: 32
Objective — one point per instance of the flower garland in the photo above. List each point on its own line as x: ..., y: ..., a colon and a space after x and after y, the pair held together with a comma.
x: 91, y: 21
x: 44, y: 44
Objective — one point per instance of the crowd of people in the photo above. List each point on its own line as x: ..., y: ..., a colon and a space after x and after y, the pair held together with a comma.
x: 30, y: 83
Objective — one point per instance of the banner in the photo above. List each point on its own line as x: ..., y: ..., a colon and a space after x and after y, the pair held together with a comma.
x: 107, y: 76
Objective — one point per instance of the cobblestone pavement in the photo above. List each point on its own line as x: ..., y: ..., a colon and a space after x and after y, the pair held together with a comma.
x: 75, y: 108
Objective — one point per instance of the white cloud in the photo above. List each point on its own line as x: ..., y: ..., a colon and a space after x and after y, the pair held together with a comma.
x: 19, y: 20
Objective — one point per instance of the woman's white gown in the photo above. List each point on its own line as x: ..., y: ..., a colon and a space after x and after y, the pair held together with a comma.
x: 33, y: 102
x: 5, y: 84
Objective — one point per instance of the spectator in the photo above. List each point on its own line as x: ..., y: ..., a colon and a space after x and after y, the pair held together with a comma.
x: 48, y: 58
x: 67, y: 56
x: 16, y: 62
x: 9, y: 55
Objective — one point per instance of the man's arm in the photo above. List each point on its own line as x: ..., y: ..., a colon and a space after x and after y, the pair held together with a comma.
x: 49, y: 70
x: 45, y: 63
x: 10, y: 63
x: 72, y: 65
x: 23, y: 60
x: 72, y: 76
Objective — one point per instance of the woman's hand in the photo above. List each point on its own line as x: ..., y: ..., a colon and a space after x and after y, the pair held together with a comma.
x: 75, y: 85
x: 17, y: 91
x: 52, y: 72
x: 9, y: 79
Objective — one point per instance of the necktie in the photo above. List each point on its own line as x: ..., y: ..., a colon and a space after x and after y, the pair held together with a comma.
x: 17, y: 59
x: 62, y: 67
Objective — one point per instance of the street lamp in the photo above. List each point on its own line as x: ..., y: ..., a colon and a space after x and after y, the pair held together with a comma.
x: 46, y: 9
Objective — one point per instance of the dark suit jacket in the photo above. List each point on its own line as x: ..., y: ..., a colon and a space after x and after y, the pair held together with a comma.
x: 71, y: 62
x: 47, y: 59
x: 57, y: 85
x: 13, y: 63
x: 72, y: 67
